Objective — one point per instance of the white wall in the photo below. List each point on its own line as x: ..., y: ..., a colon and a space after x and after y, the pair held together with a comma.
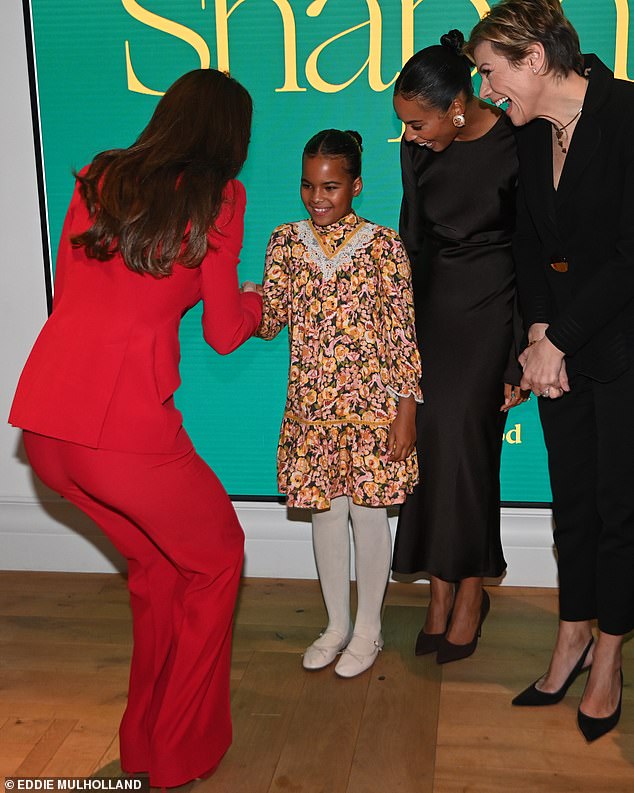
x: 38, y: 530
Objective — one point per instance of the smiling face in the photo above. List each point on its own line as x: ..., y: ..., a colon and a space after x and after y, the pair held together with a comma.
x: 424, y: 125
x: 515, y: 83
x: 327, y: 189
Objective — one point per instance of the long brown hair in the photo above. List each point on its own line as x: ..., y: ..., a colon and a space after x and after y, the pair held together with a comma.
x: 142, y: 199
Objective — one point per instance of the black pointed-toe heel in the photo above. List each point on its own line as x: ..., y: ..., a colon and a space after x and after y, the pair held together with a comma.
x: 596, y: 728
x: 533, y: 697
x: 427, y: 643
x: 447, y: 651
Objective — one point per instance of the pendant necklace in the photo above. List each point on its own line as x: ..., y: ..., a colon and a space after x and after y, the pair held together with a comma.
x: 559, y: 131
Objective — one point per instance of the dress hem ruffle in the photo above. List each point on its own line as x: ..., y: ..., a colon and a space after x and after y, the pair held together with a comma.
x: 321, y: 460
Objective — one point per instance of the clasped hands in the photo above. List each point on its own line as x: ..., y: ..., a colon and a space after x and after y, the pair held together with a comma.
x: 544, y: 365
x: 249, y: 286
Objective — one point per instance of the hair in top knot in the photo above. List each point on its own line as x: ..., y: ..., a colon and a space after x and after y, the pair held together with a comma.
x: 346, y: 144
x: 454, y: 40
x: 436, y: 75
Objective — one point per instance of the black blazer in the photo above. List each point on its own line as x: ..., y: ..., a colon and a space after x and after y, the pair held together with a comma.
x: 589, y: 221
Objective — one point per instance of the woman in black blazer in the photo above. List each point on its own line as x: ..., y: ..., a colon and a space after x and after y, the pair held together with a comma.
x: 574, y: 251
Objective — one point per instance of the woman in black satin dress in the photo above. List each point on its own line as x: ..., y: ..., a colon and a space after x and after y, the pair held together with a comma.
x: 459, y: 169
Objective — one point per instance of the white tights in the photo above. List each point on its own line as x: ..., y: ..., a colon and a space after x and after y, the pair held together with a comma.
x: 373, y: 550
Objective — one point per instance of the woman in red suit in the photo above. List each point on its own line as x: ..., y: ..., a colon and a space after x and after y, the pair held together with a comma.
x: 152, y: 230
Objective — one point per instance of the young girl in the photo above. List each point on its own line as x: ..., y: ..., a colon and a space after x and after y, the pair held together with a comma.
x: 347, y: 440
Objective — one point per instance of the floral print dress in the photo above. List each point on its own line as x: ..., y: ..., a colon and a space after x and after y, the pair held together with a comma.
x: 344, y: 290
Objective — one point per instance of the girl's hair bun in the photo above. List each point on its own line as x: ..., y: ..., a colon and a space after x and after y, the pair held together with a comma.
x: 356, y: 135
x: 454, y: 40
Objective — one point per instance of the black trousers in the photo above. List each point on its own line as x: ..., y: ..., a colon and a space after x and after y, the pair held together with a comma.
x: 589, y: 436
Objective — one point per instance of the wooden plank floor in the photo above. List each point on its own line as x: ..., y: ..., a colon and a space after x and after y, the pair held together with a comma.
x: 407, y: 726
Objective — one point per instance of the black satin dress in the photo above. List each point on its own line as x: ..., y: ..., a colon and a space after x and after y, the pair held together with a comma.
x: 456, y: 222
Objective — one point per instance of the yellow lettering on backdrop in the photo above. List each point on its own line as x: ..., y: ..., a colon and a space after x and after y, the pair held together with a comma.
x: 407, y: 26
x: 622, y: 32
x: 514, y: 435
x: 407, y: 23
x: 372, y: 62
x: 290, y: 40
x: 481, y: 7
x: 166, y: 26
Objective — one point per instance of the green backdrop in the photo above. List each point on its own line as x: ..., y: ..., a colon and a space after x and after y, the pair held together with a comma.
x: 100, y: 66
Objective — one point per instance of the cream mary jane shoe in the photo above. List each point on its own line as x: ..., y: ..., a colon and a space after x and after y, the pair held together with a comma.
x: 325, y: 649
x: 358, y: 656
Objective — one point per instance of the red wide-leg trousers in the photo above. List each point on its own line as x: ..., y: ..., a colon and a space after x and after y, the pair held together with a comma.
x: 171, y: 518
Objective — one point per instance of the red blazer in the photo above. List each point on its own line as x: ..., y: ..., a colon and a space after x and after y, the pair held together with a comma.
x: 104, y: 368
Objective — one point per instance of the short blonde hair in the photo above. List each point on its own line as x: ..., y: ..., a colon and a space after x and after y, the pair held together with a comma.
x: 513, y: 26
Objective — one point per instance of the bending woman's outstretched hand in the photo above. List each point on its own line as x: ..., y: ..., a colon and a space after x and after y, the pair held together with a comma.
x: 249, y: 286
x: 544, y: 367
